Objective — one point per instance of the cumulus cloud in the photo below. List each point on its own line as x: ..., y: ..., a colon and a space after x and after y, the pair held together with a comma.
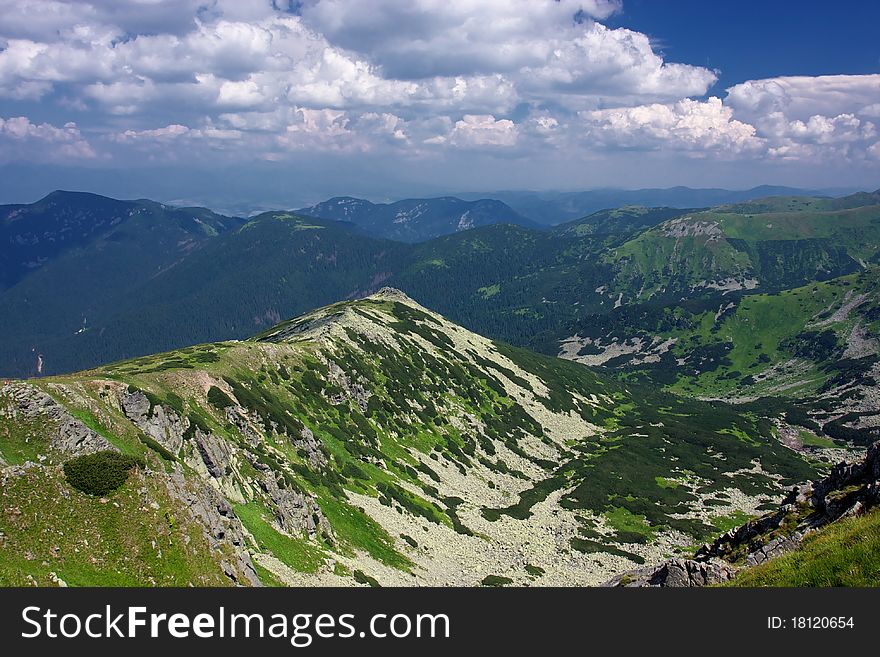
x: 600, y: 64
x: 697, y: 126
x: 812, y: 117
x: 43, y: 142
x: 800, y: 97
x: 453, y: 52
x: 454, y: 37
x: 269, y: 78
x: 479, y: 131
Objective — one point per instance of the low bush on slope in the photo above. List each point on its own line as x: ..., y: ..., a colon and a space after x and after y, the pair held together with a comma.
x: 100, y: 473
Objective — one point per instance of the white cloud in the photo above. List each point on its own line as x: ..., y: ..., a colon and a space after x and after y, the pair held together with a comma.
x: 168, y: 133
x: 465, y: 54
x: 174, y: 133
x: 811, y: 118
x: 801, y: 97
x: 317, y: 129
x: 42, y: 142
x: 421, y: 39
x: 479, y: 131
x: 600, y: 64
x: 508, y: 77
x: 697, y: 126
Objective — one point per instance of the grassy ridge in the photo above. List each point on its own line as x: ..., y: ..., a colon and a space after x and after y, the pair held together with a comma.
x: 846, y: 553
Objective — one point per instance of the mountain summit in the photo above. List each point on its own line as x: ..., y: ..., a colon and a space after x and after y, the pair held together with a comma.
x: 369, y: 441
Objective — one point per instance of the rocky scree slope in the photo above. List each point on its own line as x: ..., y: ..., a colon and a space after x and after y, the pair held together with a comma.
x: 375, y: 442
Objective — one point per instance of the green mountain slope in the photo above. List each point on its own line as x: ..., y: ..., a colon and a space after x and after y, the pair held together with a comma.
x: 627, y: 219
x: 793, y: 343
x: 371, y: 439
x: 735, y: 251
x: 274, y: 266
x: 92, y: 252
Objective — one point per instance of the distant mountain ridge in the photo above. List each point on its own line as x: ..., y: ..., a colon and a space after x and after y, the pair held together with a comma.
x: 612, y: 289
x: 551, y: 208
x: 36, y: 233
x: 416, y: 220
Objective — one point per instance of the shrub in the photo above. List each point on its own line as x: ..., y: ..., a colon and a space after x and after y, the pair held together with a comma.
x: 496, y: 580
x: 362, y: 578
x: 100, y: 473
x: 219, y: 399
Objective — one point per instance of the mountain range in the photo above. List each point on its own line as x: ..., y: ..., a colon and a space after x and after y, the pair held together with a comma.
x: 571, y: 404
x: 631, y: 284
x: 550, y: 208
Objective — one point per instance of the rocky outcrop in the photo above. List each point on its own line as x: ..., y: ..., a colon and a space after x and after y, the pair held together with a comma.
x: 222, y: 527
x: 677, y: 573
x: 295, y: 511
x: 11, y: 472
x: 74, y: 437
x: 689, y: 227
x: 70, y: 435
x: 355, y: 392
x: 774, y: 548
x: 158, y: 421
x: 849, y: 489
x: 214, y: 451
x: 312, y: 448
x: 239, y: 418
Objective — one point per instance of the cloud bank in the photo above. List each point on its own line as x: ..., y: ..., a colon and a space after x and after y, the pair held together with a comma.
x: 239, y: 80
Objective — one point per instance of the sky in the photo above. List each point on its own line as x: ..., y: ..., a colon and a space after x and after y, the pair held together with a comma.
x: 278, y: 103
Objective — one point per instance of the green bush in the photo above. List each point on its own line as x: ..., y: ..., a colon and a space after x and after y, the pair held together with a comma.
x: 496, y: 580
x: 100, y: 473
x: 362, y: 578
x: 218, y: 398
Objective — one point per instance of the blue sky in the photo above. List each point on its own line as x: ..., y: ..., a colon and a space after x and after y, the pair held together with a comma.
x: 751, y: 39
x: 248, y: 102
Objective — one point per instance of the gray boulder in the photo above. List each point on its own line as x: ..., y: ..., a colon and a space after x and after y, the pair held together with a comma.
x: 214, y: 451
x: 158, y: 421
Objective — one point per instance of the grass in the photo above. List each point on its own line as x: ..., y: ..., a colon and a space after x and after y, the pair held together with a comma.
x: 731, y: 521
x: 298, y: 553
x: 630, y: 528
x: 809, y: 439
x: 24, y: 440
x: 48, y: 527
x: 763, y: 331
x: 846, y: 553
x: 358, y: 530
